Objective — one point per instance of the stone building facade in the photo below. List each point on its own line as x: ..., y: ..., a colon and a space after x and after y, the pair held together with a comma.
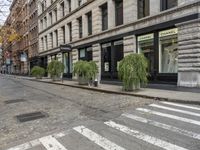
x: 107, y: 30
x: 33, y: 34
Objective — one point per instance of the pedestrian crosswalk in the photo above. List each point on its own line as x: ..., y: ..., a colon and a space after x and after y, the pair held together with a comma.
x: 162, y: 126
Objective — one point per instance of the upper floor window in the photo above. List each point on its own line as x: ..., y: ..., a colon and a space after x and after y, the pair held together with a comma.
x: 56, y: 37
x: 51, y: 40
x: 45, y: 21
x: 119, y: 12
x: 62, y: 5
x: 55, y: 14
x: 89, y: 19
x: 104, y: 13
x: 63, y: 33
x: 70, y: 31
x: 143, y: 8
x: 80, y: 24
x: 69, y: 5
x: 50, y: 18
x: 167, y: 4
x: 79, y: 3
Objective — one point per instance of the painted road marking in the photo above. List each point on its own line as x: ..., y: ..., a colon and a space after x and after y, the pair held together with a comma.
x: 50, y: 143
x: 36, y: 142
x: 144, y: 137
x: 163, y: 126
x: 181, y: 105
x: 97, y: 139
x: 169, y: 116
x: 176, y: 110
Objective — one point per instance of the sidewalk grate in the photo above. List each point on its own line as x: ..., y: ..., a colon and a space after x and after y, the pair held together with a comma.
x: 31, y: 116
x: 14, y: 101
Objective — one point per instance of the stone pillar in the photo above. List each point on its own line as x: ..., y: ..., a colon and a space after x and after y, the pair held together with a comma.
x: 96, y: 49
x: 130, y: 6
x: 96, y: 20
x: 111, y: 14
x: 85, y: 25
x: 74, y: 4
x: 75, y: 29
x: 67, y: 34
x: 189, y: 54
x: 129, y: 45
x: 154, y: 7
x: 59, y: 11
x: 60, y: 36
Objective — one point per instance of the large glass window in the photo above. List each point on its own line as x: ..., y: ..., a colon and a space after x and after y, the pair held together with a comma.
x: 167, y: 4
x: 86, y: 54
x: 168, y: 51
x: 146, y: 46
x: 143, y: 8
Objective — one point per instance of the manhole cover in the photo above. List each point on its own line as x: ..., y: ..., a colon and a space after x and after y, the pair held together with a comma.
x: 14, y: 101
x: 31, y: 116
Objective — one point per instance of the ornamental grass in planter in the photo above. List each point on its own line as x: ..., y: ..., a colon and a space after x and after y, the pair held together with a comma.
x: 132, y: 70
x: 38, y: 72
x: 55, y: 69
x: 85, y: 71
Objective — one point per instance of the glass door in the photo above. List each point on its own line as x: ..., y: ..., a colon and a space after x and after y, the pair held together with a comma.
x: 67, y: 60
x: 146, y: 46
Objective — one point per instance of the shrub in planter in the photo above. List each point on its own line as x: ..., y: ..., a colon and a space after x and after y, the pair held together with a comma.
x: 132, y: 71
x: 38, y: 72
x: 85, y: 71
x: 55, y: 69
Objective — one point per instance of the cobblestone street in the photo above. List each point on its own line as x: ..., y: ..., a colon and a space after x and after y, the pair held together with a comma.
x: 66, y: 107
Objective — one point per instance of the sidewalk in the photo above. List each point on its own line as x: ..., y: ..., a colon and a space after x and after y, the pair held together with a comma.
x: 157, y: 94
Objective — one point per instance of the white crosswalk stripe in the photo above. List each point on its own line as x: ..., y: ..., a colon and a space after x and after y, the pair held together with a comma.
x: 163, y: 126
x: 98, y: 139
x: 50, y: 143
x: 175, y: 110
x: 139, y: 135
x: 169, y: 116
x: 181, y: 105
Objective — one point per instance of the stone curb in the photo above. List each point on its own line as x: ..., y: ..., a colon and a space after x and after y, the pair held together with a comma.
x: 120, y: 93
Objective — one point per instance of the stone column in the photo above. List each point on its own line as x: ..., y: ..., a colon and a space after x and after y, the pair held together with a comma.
x: 85, y: 25
x: 60, y: 36
x: 111, y: 14
x: 96, y: 49
x: 96, y: 20
x: 75, y: 29
x: 154, y: 7
x: 189, y: 54
x: 129, y: 45
x: 130, y: 6
x: 74, y: 4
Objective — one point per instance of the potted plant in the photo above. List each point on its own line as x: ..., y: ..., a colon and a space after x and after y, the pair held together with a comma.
x: 55, y: 68
x: 92, y: 72
x: 38, y: 72
x: 85, y: 71
x: 132, y: 70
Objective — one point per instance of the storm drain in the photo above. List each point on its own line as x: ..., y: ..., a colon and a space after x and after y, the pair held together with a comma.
x: 14, y: 101
x: 31, y: 116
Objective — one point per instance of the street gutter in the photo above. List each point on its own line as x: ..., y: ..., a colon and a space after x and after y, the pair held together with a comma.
x: 157, y: 98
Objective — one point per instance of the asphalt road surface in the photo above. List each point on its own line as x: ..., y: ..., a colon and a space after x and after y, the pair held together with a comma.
x: 75, y: 119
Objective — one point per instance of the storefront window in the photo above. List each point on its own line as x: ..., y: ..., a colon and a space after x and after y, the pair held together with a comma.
x: 168, y: 51
x: 86, y: 54
x: 146, y: 46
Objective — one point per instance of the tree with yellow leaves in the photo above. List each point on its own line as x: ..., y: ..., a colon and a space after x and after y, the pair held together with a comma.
x: 8, y: 34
